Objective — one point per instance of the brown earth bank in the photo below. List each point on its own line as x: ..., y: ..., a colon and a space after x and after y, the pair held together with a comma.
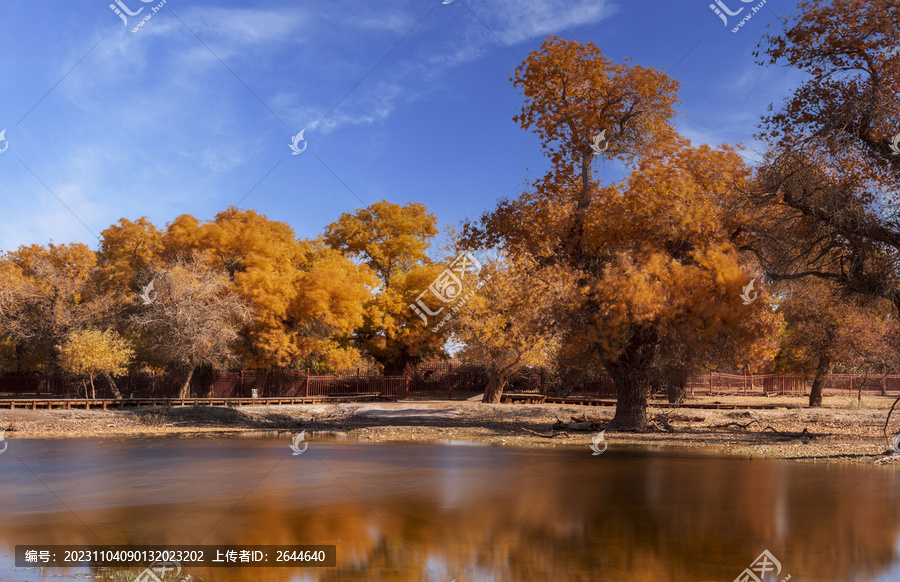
x: 844, y: 430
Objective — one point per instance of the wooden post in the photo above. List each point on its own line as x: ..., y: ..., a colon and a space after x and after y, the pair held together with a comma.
x: 851, y: 384
x: 882, y: 384
x: 306, y: 392
x: 782, y: 383
x: 710, y: 382
x: 745, y: 381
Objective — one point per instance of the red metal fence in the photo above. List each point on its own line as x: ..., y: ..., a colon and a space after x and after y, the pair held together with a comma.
x: 441, y: 381
x: 784, y: 384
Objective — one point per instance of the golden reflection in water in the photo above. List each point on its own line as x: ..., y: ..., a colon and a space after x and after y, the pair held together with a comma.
x: 414, y: 512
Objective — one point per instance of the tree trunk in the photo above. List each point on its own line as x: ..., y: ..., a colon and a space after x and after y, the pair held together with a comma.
x: 395, y: 368
x: 631, y: 373
x: 93, y: 392
x: 494, y: 389
x: 676, y: 381
x: 186, y: 387
x: 815, y: 393
x: 112, y: 386
x: 572, y: 380
x: 206, y: 377
x: 631, y: 402
x: 676, y: 392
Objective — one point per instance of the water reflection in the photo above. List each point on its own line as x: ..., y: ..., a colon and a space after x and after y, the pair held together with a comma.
x: 428, y: 512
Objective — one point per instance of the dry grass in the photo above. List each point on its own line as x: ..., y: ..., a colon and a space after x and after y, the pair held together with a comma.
x: 838, y: 431
x: 152, y: 419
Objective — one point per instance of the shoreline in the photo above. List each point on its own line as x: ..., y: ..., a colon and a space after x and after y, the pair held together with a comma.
x: 843, y: 431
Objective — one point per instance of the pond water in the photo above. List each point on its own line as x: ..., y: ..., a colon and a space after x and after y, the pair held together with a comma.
x: 438, y: 512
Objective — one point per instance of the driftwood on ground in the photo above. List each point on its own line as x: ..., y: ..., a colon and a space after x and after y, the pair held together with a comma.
x: 805, y: 435
x: 741, y: 426
x: 581, y: 425
x: 546, y: 436
x: 662, y: 423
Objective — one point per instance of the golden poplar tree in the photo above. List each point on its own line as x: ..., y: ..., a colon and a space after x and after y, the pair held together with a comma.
x: 645, y: 254
x: 391, y: 239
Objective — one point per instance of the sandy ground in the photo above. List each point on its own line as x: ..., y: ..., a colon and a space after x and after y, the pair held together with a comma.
x: 845, y: 430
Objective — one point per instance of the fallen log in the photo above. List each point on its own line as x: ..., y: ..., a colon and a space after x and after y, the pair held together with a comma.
x: 546, y: 436
x: 743, y: 426
x: 662, y: 420
x: 805, y: 436
x: 585, y: 418
x: 576, y: 426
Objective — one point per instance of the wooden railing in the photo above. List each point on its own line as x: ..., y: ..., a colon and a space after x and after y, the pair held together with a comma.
x: 447, y: 381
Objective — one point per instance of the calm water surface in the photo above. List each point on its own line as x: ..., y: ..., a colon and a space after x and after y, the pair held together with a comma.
x: 418, y: 512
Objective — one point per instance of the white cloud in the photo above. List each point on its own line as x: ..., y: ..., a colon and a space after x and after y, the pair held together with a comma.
x: 521, y: 20
x: 221, y: 159
x: 239, y: 27
x: 514, y: 21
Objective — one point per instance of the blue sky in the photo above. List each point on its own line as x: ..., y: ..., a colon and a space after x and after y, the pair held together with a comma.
x: 400, y: 100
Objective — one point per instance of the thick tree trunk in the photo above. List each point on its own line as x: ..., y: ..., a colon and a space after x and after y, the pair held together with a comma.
x: 112, y: 386
x: 206, y: 377
x: 676, y: 381
x: 573, y: 379
x: 395, y: 368
x: 631, y: 374
x: 494, y: 389
x: 631, y: 403
x: 186, y: 387
x: 676, y: 392
x: 815, y: 393
x: 93, y: 392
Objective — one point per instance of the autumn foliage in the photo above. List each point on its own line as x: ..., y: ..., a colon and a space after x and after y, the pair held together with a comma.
x: 644, y: 277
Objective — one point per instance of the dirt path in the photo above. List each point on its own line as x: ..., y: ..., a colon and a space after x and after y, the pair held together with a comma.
x: 845, y: 430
